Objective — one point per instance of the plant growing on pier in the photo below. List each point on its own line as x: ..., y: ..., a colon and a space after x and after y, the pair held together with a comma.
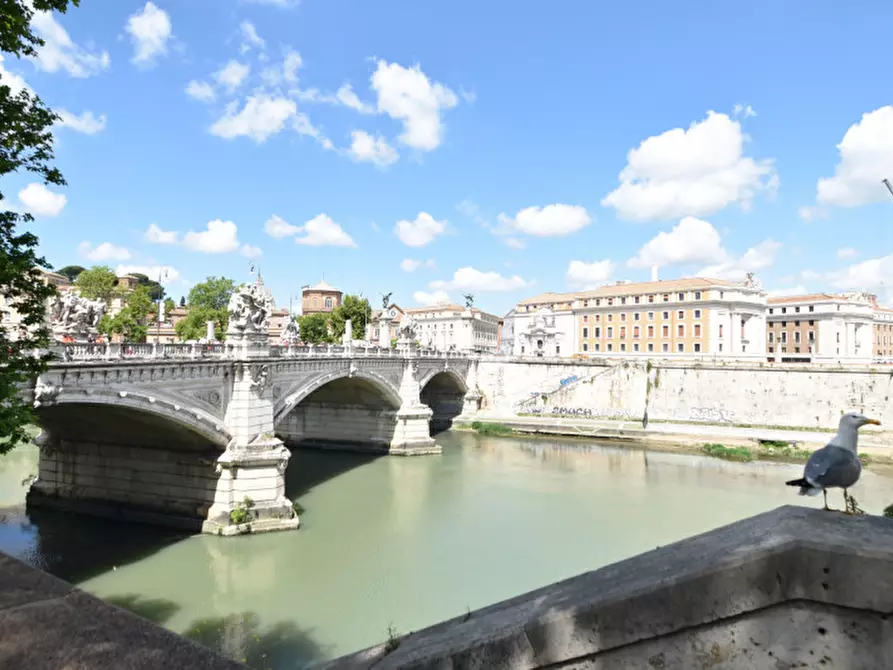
x: 241, y: 513
x: 26, y: 144
x: 393, y: 641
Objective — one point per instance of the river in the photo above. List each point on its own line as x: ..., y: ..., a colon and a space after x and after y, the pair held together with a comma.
x: 400, y: 543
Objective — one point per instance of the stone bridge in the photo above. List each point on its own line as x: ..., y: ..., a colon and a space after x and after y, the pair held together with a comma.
x: 196, y: 435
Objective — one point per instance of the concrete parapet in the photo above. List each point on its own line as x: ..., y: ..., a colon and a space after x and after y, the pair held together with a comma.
x: 47, y: 624
x: 794, y: 587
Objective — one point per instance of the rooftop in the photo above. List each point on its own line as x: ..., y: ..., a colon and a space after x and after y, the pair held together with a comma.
x: 321, y: 286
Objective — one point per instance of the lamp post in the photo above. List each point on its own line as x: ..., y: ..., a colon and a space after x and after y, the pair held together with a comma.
x: 162, y: 275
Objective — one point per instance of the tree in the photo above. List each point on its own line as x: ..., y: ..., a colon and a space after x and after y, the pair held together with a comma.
x: 97, y: 283
x: 131, y: 322
x: 72, y: 272
x: 182, y: 301
x: 356, y: 309
x: 208, y: 301
x: 169, y: 305
x: 315, y: 328
x: 26, y: 143
x: 156, y: 290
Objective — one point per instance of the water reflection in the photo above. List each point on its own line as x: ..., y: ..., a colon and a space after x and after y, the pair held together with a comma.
x: 404, y: 541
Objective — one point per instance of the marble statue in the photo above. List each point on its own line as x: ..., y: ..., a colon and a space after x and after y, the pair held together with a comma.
x: 408, y: 329
x: 385, y: 300
x: 72, y: 316
x: 750, y: 281
x: 469, y: 300
x: 249, y: 309
x: 291, y: 333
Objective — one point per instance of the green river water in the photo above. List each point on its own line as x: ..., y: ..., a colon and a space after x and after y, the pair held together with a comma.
x: 400, y: 542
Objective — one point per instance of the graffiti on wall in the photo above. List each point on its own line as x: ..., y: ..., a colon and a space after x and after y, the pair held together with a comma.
x: 585, y: 412
x: 711, y: 414
x: 569, y: 380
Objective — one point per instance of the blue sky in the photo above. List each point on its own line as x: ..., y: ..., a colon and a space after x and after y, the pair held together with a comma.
x: 437, y: 148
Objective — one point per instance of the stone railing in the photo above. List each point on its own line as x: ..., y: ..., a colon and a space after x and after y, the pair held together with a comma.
x: 89, y: 352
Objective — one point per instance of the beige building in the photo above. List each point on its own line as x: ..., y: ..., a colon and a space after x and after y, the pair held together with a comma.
x: 446, y: 327
x: 821, y: 327
x: 321, y: 297
x: 544, y: 325
x: 882, y: 348
x: 373, y: 332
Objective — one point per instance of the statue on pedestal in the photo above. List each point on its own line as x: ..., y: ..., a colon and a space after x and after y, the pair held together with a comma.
x: 291, y: 333
x: 408, y: 330
x: 469, y: 300
x: 249, y: 310
x: 386, y: 300
x: 72, y: 316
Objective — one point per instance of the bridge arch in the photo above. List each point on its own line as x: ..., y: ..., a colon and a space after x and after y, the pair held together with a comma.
x: 341, y: 409
x: 444, y: 392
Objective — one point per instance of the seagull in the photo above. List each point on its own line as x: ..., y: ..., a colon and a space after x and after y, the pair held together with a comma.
x: 837, y: 464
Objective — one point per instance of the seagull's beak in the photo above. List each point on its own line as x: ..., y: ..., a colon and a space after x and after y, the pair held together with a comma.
x: 873, y: 422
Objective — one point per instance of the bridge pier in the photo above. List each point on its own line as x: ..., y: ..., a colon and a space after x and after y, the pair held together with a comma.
x: 412, y: 434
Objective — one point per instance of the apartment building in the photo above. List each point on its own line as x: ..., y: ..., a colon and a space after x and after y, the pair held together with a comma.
x: 680, y: 317
x: 450, y: 327
x: 882, y: 348
x: 821, y: 327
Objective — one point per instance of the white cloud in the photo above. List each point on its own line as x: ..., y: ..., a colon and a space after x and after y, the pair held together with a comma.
x: 691, y: 241
x: 425, y: 298
x: 743, y: 110
x: 220, y: 237
x: 277, y: 227
x: 348, y: 98
x: 411, y: 265
x: 420, y: 232
x: 250, y: 37
x: 754, y: 259
x: 201, y: 90
x: 15, y: 82
x: 408, y: 95
x: 87, y: 122
x: 471, y: 279
x: 165, y: 272
x: 250, y: 251
x: 812, y: 213
x: 847, y: 252
x: 231, y: 75
x: 321, y: 231
x: 866, y: 157
x: 514, y: 243
x: 584, y: 275
x: 874, y: 275
x: 291, y: 64
x: 41, y: 201
x: 694, y: 172
x: 156, y: 235
x: 549, y: 221
x: 59, y: 51
x: 260, y: 118
x: 365, y: 148
x: 149, y: 30
x: 103, y: 252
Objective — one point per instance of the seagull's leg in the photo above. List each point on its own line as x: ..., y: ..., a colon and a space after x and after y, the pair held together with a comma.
x: 825, y: 493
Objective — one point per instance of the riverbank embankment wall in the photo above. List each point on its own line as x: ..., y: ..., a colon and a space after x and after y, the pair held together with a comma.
x: 719, y: 393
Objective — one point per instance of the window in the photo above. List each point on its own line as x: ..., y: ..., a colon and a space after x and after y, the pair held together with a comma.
x: 650, y: 331
x: 623, y: 301
x: 812, y: 336
x: 622, y: 332
x: 650, y: 298
x: 784, y: 310
x: 697, y: 295
x: 651, y: 316
x: 784, y: 324
x: 666, y: 297
x: 666, y: 315
x: 797, y: 309
x: 610, y: 301
x: 328, y: 303
x: 720, y: 347
x: 598, y: 318
x: 665, y: 347
x: 635, y: 346
x: 635, y: 331
x: 697, y: 347
x: 697, y: 330
x: 610, y: 317
x: 598, y: 331
x: 622, y: 346
x: 811, y: 322
x: 585, y: 333
x: 597, y: 346
x: 722, y: 294
x: 610, y: 347
x: 636, y: 316
x: 680, y: 330
x: 598, y: 301
x: 784, y: 336
x: 771, y: 337
x: 797, y: 337
x: 522, y: 348
x: 651, y: 346
x: 811, y: 308
x: 771, y: 349
x: 681, y: 296
x: 680, y: 314
x: 585, y: 318
x: 697, y: 314
x: 666, y: 331
x: 585, y: 303
x: 636, y: 300
x: 610, y: 331
x: 585, y: 346
x: 623, y: 317
x: 771, y: 311
x: 680, y: 348
x: 557, y: 349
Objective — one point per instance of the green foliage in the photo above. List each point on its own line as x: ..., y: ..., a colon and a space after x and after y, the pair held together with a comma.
x: 774, y: 444
x: 156, y: 290
x: 169, y: 305
x: 26, y: 144
x: 130, y: 323
x: 97, y: 283
x: 182, y: 301
x: 491, y: 428
x: 315, y: 328
x: 71, y: 271
x: 356, y: 309
x: 727, y: 453
x: 208, y: 301
x: 393, y: 641
x: 888, y: 511
x: 241, y: 513
x: 213, y: 293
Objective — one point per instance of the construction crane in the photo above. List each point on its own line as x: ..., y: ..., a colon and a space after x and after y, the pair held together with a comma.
x: 887, y: 184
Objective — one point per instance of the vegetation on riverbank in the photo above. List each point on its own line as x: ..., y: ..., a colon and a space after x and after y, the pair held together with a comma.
x: 483, y: 428
x: 775, y: 450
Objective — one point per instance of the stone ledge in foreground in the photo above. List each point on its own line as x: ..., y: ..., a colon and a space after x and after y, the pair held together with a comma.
x: 794, y: 587
x: 47, y: 624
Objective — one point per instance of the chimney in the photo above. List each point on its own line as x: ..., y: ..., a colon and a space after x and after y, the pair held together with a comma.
x: 654, y: 273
